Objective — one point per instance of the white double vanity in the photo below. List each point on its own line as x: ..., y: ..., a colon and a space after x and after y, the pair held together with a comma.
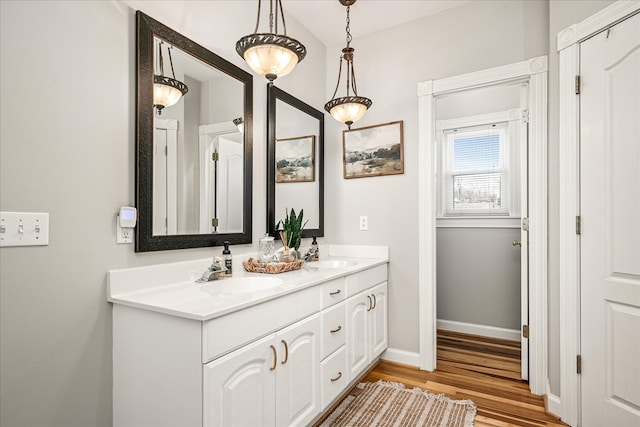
x: 251, y: 350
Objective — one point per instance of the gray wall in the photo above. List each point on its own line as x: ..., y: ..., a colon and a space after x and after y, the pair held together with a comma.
x: 67, y: 144
x: 478, y: 276
x: 389, y: 64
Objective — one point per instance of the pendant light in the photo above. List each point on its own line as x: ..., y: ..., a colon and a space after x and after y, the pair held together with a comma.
x: 271, y: 54
x: 349, y: 108
x: 166, y: 90
x: 239, y: 124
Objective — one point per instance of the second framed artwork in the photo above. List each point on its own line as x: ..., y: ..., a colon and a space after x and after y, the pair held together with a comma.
x: 295, y: 159
x: 373, y: 150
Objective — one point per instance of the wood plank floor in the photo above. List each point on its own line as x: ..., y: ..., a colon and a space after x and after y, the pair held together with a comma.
x: 485, y: 370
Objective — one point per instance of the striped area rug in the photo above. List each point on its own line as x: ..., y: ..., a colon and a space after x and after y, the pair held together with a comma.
x: 391, y: 404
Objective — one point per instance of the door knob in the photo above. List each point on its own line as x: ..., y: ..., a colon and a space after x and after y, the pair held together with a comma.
x: 516, y: 243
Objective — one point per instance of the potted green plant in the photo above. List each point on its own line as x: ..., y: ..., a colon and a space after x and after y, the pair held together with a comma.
x: 291, y: 231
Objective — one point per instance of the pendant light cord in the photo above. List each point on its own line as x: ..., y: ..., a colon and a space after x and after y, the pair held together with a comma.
x: 348, y: 29
x: 271, y: 20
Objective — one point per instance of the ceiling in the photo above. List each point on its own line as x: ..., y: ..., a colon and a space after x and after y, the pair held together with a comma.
x: 326, y: 19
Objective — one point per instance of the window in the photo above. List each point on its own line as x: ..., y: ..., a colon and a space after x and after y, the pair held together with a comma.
x: 475, y: 171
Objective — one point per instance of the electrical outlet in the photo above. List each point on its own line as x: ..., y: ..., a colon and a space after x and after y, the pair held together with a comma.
x: 123, y: 234
x: 364, y: 223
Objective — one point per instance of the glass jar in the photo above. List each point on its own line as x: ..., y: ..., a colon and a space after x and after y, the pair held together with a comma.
x: 265, y: 249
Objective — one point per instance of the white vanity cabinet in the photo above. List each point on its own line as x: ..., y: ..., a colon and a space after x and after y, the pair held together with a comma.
x: 367, y: 333
x: 192, y: 357
x: 271, y: 382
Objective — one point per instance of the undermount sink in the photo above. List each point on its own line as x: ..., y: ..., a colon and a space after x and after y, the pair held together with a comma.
x: 241, y: 285
x: 336, y: 263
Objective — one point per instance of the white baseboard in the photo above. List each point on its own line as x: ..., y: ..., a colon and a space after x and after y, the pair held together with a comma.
x: 554, y: 404
x: 482, y: 330
x: 401, y: 356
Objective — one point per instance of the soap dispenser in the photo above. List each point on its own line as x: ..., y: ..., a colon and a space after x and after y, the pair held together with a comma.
x: 228, y: 260
x: 315, y: 250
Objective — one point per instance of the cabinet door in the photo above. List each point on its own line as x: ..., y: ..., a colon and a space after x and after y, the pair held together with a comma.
x: 379, y: 338
x: 239, y: 387
x: 358, y: 308
x: 297, y: 374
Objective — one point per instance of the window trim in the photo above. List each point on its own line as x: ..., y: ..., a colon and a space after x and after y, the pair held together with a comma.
x: 510, y: 170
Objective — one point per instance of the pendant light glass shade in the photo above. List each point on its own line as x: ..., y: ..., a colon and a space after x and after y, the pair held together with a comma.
x: 350, y: 108
x: 166, y: 90
x: 269, y: 54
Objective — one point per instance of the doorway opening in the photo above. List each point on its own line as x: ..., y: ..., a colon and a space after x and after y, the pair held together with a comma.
x: 436, y: 104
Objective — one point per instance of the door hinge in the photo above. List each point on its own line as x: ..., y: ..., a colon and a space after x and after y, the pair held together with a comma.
x: 525, y: 224
x: 215, y: 156
x: 525, y: 331
x: 578, y: 225
x: 577, y: 85
x: 578, y: 364
x: 214, y: 222
x: 525, y: 116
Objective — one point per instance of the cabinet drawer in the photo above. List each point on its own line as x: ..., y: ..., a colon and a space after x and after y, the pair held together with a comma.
x: 333, y: 292
x: 333, y: 329
x: 226, y: 333
x: 358, y: 282
x: 333, y: 376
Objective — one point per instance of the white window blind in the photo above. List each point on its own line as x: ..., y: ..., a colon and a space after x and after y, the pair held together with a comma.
x: 475, y: 171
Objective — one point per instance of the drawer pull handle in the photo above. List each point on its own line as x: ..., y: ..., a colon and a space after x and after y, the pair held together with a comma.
x: 338, y: 329
x: 375, y: 301
x: 334, y: 293
x: 370, y: 303
x: 336, y: 378
x: 275, y: 358
x: 286, y: 352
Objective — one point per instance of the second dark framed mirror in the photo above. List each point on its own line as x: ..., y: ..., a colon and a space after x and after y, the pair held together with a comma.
x: 295, y: 161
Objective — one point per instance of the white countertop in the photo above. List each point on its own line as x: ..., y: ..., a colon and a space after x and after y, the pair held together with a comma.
x: 171, y: 288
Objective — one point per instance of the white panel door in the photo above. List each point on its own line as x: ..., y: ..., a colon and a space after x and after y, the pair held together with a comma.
x: 297, y: 380
x: 239, y: 388
x: 379, y: 337
x: 357, y: 334
x: 610, y: 238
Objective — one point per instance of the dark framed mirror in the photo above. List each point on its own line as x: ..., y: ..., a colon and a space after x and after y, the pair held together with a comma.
x: 194, y: 157
x: 295, y: 161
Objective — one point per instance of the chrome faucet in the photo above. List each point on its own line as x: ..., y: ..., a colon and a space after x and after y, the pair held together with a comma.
x: 214, y: 272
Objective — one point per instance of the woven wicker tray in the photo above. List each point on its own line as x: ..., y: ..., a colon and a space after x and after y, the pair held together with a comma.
x: 255, y: 266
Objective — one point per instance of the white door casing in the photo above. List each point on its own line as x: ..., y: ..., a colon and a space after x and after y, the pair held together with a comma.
x: 610, y: 223
x: 569, y: 62
x: 534, y: 73
x: 165, y: 176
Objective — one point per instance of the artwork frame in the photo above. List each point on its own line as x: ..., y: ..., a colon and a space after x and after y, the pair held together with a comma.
x: 376, y: 150
x: 296, y: 159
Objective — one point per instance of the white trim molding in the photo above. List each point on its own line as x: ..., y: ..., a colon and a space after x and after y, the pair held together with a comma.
x: 569, y: 194
x: 553, y: 402
x: 481, y: 330
x: 404, y: 357
x: 533, y: 71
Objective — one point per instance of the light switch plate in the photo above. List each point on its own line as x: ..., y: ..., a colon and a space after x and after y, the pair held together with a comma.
x: 24, y: 229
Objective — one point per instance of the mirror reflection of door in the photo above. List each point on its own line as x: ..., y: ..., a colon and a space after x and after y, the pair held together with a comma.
x: 165, y: 142
x: 192, y: 196
x: 221, y: 178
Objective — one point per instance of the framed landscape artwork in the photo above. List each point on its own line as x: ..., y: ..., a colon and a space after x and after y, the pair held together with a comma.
x: 373, y: 151
x: 295, y: 159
